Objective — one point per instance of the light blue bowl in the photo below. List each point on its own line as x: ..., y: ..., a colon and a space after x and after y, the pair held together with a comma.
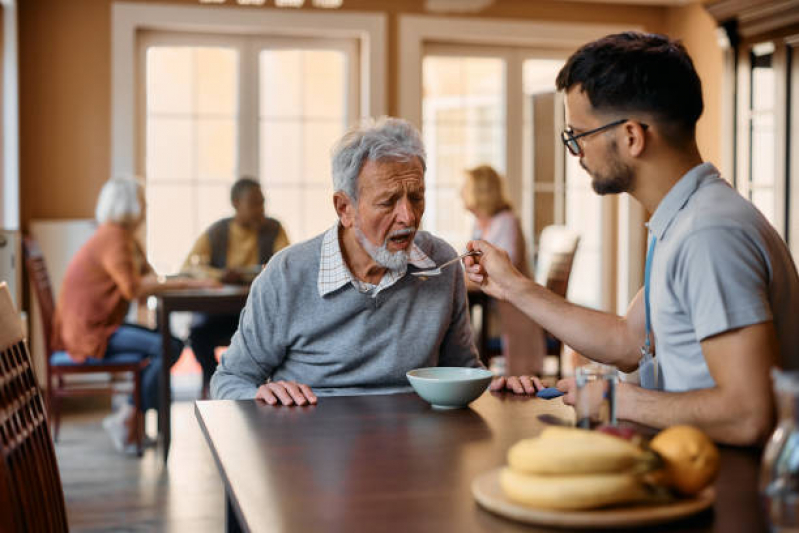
x: 449, y: 387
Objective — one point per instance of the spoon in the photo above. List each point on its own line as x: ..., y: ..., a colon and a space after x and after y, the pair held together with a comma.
x: 433, y: 272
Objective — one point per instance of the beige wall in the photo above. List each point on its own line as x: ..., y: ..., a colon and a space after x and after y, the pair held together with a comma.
x: 697, y: 29
x: 65, y: 84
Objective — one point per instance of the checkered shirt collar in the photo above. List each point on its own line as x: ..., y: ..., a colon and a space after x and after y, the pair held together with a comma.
x: 334, y: 274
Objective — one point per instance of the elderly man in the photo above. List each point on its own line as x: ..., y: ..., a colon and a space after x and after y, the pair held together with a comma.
x: 722, y: 294
x: 340, y: 314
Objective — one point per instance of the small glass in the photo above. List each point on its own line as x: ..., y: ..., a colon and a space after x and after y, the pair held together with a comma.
x: 595, y: 400
x: 779, y: 473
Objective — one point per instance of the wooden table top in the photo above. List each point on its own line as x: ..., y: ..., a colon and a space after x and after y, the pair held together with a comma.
x: 392, y: 463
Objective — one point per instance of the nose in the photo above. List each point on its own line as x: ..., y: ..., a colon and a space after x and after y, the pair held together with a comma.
x: 404, y: 213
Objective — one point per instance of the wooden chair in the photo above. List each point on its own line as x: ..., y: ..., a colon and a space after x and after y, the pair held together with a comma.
x: 60, y: 365
x: 31, y: 496
x: 557, y: 247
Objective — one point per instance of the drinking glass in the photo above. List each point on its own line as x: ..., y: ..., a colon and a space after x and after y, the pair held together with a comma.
x: 595, y: 400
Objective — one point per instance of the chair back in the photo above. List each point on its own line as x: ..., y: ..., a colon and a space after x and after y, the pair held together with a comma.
x: 556, y: 249
x: 40, y: 279
x: 31, y: 495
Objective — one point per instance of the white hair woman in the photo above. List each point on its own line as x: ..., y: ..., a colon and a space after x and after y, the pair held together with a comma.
x: 105, y: 275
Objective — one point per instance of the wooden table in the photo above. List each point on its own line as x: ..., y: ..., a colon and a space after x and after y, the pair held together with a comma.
x: 229, y: 299
x: 391, y: 463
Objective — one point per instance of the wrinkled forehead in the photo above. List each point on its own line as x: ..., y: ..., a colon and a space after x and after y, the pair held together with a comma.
x: 389, y: 175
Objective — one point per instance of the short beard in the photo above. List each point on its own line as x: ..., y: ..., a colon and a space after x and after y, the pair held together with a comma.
x: 619, y: 178
x: 396, y: 261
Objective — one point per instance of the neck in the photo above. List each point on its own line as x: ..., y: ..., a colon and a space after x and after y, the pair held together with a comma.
x: 659, y: 174
x: 360, y: 263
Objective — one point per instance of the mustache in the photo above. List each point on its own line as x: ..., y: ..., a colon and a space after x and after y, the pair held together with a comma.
x: 402, y: 232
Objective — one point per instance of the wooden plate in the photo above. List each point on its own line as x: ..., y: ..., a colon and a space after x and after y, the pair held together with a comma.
x: 489, y: 494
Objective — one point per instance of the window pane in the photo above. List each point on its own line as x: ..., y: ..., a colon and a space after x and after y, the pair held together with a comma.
x: 191, y: 146
x: 302, y: 116
x: 169, y: 149
x: 584, y: 215
x: 281, y: 83
x: 463, y: 125
x: 761, y: 130
x: 216, y: 148
x: 169, y: 75
x: 217, y: 70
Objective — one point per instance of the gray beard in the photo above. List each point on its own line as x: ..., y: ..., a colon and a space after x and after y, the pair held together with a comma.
x: 396, y: 261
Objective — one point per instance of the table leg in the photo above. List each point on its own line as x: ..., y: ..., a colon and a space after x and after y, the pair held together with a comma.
x: 232, y: 524
x: 165, y: 407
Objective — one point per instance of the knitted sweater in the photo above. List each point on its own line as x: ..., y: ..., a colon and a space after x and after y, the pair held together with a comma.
x: 346, y: 342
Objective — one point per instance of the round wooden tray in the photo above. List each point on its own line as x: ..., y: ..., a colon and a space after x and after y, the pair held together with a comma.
x: 489, y: 494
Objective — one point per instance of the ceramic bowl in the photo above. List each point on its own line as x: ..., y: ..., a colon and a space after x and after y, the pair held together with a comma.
x: 447, y: 387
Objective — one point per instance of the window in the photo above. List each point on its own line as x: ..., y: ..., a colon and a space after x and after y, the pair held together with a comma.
x: 218, y: 108
x: 760, y: 180
x: 470, y: 107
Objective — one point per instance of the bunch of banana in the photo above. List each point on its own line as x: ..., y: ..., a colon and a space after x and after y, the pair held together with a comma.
x: 572, y: 469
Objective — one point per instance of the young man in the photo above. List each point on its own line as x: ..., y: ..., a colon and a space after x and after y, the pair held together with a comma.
x: 231, y: 250
x: 723, y: 292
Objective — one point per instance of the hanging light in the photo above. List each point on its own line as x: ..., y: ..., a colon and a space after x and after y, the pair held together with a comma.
x: 251, y: 2
x: 289, y: 3
x: 328, y: 4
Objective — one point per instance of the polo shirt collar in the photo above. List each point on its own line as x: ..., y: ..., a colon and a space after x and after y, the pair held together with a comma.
x: 677, y: 197
x: 334, y: 274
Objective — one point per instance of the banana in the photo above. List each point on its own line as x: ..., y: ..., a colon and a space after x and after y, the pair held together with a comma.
x: 572, y: 492
x: 571, y: 451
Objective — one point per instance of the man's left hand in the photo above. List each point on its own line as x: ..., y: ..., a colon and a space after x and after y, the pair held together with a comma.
x: 568, y: 387
x: 517, y: 384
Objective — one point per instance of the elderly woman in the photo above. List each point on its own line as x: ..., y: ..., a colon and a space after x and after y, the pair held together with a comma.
x: 102, y: 278
x: 483, y: 195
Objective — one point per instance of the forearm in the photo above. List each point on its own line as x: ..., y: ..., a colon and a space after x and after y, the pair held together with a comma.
x: 725, y: 418
x: 603, y: 337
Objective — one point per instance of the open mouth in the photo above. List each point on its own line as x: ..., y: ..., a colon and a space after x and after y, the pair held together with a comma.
x: 401, y: 238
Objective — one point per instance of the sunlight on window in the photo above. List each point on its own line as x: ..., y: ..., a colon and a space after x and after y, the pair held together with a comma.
x: 463, y: 124
x: 303, y: 113
x: 191, y: 145
x: 761, y: 180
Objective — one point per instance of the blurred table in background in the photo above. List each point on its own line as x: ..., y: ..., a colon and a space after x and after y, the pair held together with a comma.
x: 228, y: 299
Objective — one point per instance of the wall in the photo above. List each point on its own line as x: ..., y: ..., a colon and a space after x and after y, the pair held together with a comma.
x: 697, y: 29
x: 65, y: 84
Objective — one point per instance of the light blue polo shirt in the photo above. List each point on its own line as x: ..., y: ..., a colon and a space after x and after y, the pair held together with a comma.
x: 718, y: 265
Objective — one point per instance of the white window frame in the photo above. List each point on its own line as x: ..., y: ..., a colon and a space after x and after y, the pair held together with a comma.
x: 128, y: 19
x: 621, y: 254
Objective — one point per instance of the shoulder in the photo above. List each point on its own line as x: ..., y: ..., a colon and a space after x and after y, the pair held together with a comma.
x: 219, y: 225
x: 436, y: 248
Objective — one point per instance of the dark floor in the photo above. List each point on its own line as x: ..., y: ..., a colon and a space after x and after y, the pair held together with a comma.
x: 108, y: 491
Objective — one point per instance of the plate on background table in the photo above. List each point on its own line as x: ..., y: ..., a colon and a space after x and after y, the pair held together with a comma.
x: 488, y: 493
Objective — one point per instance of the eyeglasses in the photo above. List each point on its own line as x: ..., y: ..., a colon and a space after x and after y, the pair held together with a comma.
x: 570, y: 139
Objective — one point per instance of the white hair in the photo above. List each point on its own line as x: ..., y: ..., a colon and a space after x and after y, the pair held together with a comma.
x: 385, y: 139
x: 119, y: 200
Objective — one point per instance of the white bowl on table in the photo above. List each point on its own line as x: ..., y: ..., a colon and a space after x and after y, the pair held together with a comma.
x: 449, y: 387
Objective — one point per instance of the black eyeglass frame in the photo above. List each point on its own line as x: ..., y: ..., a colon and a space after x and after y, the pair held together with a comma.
x: 570, y: 139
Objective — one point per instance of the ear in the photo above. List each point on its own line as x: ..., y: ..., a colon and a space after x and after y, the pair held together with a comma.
x: 345, y: 208
x: 635, y: 138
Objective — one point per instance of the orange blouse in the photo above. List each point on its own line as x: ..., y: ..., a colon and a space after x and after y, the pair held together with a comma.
x: 100, y: 281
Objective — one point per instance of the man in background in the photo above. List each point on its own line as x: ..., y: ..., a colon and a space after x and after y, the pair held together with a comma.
x: 232, y: 250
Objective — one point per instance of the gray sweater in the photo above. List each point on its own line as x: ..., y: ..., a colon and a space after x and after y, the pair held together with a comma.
x: 346, y: 342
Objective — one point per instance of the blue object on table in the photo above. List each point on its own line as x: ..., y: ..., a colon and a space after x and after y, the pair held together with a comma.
x: 549, y: 393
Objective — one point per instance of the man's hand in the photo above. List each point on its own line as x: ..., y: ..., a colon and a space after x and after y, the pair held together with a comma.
x: 569, y: 389
x: 517, y: 384
x: 492, y: 271
x: 285, y: 393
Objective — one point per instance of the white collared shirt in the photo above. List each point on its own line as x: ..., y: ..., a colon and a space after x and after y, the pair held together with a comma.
x: 334, y: 274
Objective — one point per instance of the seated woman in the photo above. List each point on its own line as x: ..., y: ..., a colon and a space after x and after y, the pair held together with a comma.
x: 104, y: 276
x: 483, y: 194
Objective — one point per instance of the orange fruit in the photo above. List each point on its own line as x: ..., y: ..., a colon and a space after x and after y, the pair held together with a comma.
x: 691, y: 459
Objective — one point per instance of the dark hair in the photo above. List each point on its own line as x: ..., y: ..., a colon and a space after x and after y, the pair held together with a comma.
x: 241, y: 187
x: 639, y: 72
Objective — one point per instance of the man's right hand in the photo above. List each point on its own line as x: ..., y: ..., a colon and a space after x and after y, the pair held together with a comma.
x: 492, y: 270
x: 285, y: 393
